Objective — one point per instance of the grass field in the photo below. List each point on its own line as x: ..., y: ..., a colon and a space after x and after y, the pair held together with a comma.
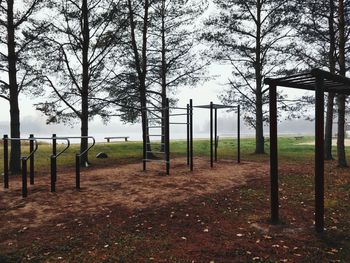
x: 289, y: 149
x: 226, y: 225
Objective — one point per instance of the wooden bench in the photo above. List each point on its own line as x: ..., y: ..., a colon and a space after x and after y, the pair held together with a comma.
x: 298, y: 137
x: 118, y: 137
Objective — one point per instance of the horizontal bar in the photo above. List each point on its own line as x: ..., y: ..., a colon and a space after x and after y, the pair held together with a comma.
x: 159, y: 118
x: 155, y: 143
x: 155, y: 127
x: 178, y: 123
x: 153, y: 135
x: 178, y: 114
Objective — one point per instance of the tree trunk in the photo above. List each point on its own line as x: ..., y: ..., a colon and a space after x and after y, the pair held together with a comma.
x: 15, y: 162
x: 163, y: 76
x: 341, y: 98
x: 85, y: 83
x: 259, y: 129
x: 330, y: 103
x: 259, y: 126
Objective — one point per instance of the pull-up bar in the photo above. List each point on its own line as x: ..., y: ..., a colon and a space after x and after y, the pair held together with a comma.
x: 214, y: 128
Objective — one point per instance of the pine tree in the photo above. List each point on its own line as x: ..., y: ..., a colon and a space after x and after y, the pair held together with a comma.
x: 253, y: 37
x: 79, y: 61
x: 19, y: 34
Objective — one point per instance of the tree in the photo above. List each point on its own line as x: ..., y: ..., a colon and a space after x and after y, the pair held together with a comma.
x: 175, y: 58
x: 341, y: 99
x: 252, y: 36
x: 79, y: 61
x: 320, y: 31
x: 19, y: 33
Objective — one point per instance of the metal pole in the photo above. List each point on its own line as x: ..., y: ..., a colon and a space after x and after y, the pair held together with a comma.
x: 319, y: 156
x: 54, y: 144
x: 211, y: 134
x: 239, y: 134
x: 191, y: 135
x: 31, y: 159
x: 77, y: 171
x: 53, y: 172
x: 188, y: 134
x: 24, y: 177
x: 54, y: 149
x: 6, y: 161
x: 216, y: 133
x: 273, y: 155
x: 144, y: 138
x: 167, y: 137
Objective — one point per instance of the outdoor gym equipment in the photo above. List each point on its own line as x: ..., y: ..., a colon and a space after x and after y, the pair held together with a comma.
x: 24, y: 159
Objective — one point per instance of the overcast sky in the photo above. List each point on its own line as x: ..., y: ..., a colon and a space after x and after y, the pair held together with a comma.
x: 34, y: 122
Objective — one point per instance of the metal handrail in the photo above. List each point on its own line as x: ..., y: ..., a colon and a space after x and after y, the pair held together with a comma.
x: 55, y: 138
x: 65, y: 149
x: 84, y: 137
x: 26, y: 139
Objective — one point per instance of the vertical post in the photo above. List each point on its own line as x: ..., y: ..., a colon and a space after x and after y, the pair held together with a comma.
x: 216, y: 133
x: 6, y: 161
x: 319, y: 156
x: 211, y: 134
x: 238, y: 134
x: 167, y: 138
x: 191, y: 135
x: 54, y: 144
x: 24, y: 177
x: 54, y: 148
x: 53, y: 172
x: 188, y: 134
x: 144, y: 139
x: 273, y: 155
x: 31, y: 159
x: 77, y: 171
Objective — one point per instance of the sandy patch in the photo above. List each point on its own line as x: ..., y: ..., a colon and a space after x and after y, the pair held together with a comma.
x: 126, y: 185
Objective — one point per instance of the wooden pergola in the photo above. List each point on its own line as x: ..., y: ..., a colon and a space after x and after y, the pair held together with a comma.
x: 319, y: 81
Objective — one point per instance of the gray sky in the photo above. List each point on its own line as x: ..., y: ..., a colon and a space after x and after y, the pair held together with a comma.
x: 33, y: 121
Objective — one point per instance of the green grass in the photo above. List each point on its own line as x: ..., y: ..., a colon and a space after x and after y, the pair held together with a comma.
x: 289, y: 150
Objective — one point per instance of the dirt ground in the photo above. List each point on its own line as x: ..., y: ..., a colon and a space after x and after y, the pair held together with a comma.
x: 123, y: 214
x: 126, y: 186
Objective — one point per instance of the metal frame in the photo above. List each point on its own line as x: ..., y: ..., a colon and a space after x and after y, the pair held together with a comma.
x: 213, y: 116
x: 319, y: 81
x: 166, y: 135
x: 24, y: 159
x: 33, y: 147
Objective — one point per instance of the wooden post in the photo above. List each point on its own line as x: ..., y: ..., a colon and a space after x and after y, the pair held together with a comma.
x: 273, y: 155
x: 319, y: 156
